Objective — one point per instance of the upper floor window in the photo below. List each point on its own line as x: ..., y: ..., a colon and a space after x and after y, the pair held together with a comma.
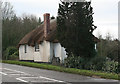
x: 25, y: 48
x: 36, y: 47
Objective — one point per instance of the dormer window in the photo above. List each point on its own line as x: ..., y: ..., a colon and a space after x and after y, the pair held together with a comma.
x: 36, y: 47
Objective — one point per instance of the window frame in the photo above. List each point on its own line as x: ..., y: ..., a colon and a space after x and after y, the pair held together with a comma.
x: 37, y: 49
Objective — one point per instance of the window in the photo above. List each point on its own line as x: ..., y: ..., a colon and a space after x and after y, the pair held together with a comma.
x: 25, y: 48
x: 36, y: 47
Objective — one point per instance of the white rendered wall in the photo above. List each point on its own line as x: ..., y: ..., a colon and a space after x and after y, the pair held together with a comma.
x: 44, y: 54
x: 57, y: 50
x: 63, y: 54
x: 26, y: 56
x: 38, y: 54
x: 51, y: 51
x: 46, y: 51
x: 60, y: 52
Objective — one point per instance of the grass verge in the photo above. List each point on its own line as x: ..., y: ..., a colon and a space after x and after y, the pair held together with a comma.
x: 68, y: 70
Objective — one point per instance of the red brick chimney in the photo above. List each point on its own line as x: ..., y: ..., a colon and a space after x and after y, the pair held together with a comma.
x: 46, y: 24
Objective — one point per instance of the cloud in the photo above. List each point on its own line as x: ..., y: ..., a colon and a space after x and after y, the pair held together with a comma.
x: 36, y: 7
x: 105, y: 12
x: 106, y: 16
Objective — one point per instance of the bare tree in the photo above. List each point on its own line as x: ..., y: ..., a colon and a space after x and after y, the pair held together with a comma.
x: 7, y: 10
x: 108, y: 36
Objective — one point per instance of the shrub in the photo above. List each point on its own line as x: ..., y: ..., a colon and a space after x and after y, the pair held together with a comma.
x: 11, y: 53
x: 16, y: 53
x: 96, y: 63
x: 110, y: 66
x: 75, y: 62
x: 13, y: 57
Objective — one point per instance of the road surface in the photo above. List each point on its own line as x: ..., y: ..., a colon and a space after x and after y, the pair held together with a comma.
x: 28, y: 75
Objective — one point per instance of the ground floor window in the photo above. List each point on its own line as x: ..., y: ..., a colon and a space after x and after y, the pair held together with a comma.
x: 25, y: 48
x: 36, y: 47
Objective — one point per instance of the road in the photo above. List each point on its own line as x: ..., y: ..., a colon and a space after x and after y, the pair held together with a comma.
x: 28, y: 75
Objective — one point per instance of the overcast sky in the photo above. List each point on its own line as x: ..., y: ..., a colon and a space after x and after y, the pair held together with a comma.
x: 105, y: 12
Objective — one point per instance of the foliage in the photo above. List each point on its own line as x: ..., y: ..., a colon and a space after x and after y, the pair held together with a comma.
x: 62, y: 69
x: 110, y: 66
x: 75, y: 27
x: 98, y: 63
x: 11, y: 53
x: 108, y: 47
x: 12, y: 33
x: 95, y: 63
x: 74, y: 62
x: 15, y: 28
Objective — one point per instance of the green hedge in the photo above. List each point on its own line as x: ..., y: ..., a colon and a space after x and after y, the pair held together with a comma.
x: 68, y: 70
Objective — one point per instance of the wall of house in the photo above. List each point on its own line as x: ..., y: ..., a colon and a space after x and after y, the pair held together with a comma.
x: 45, y: 53
x: 38, y: 54
x: 63, y: 54
x: 59, y: 51
x: 51, y: 51
x: 29, y: 52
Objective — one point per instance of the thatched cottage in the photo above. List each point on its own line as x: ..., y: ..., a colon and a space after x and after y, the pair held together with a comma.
x: 40, y: 45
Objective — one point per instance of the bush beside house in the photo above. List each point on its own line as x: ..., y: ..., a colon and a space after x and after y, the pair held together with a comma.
x: 11, y: 53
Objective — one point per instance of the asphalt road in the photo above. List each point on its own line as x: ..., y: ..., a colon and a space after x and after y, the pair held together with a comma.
x: 22, y: 74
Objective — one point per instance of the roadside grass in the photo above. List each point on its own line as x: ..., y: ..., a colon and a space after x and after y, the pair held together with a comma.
x: 68, y: 70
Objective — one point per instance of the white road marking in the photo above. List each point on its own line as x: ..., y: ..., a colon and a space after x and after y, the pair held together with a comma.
x: 51, y: 79
x: 18, y: 74
x: 14, y: 70
x: 21, y: 80
x: 3, y: 73
x: 43, y: 78
x: 28, y: 77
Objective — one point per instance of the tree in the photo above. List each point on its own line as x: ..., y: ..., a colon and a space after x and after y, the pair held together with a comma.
x: 0, y: 5
x: 15, y: 28
x: 75, y: 28
x: 7, y: 15
x: 108, y: 47
x: 7, y: 10
x: 12, y: 33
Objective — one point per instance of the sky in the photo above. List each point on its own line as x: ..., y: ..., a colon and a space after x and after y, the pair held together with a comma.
x: 105, y: 13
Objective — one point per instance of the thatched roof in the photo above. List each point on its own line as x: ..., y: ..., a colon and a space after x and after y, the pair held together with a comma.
x: 37, y: 35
